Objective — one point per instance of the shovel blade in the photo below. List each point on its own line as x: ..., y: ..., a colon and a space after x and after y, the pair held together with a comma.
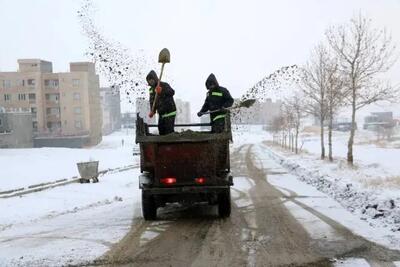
x: 247, y: 103
x: 164, y: 56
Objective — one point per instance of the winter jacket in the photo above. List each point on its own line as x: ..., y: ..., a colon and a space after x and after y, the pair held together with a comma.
x: 217, y: 98
x: 165, y: 105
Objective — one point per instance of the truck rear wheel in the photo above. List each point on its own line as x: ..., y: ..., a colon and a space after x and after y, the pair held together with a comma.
x: 149, y: 208
x: 224, y: 203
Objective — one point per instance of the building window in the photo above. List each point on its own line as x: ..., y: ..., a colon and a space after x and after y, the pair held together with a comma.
x: 7, y: 97
x: 51, y: 83
x: 52, y: 97
x: 78, y: 124
x: 32, y: 98
x: 53, y: 111
x: 78, y: 110
x: 75, y: 82
x: 31, y: 82
x: 77, y: 96
x: 6, y: 84
x: 20, y: 83
x: 21, y: 97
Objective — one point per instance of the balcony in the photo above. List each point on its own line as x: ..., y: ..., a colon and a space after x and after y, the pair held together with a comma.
x: 53, y: 103
x: 52, y: 88
x: 53, y: 117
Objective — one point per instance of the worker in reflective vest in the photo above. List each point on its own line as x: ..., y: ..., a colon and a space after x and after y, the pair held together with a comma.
x: 217, y: 98
x: 165, y: 104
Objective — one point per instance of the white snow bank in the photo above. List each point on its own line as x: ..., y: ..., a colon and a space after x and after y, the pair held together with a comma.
x: 378, y: 207
x: 73, y: 224
x: 24, y: 167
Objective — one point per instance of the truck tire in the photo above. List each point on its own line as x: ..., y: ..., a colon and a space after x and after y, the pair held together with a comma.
x: 149, y: 208
x: 224, y: 203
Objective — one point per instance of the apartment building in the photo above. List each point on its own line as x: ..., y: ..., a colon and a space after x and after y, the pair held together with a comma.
x: 65, y: 107
x: 259, y: 113
x: 183, y: 115
x: 111, y: 109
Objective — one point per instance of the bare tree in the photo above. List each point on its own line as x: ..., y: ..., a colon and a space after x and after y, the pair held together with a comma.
x: 313, y: 84
x: 277, y: 125
x: 336, y: 92
x: 287, y: 112
x: 364, y: 53
x: 295, y: 112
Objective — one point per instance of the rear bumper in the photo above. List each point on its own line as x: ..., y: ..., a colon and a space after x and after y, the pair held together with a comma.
x: 146, y: 184
x: 185, y: 190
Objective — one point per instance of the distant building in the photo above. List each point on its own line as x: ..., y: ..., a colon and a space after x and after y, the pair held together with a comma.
x: 128, y: 120
x: 379, y: 119
x: 65, y: 107
x: 259, y: 113
x: 183, y: 111
x: 16, y: 129
x: 111, y: 109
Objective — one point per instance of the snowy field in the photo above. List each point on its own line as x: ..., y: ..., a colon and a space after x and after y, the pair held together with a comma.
x: 382, y: 156
x: 71, y: 224
x: 24, y: 167
x: 68, y: 225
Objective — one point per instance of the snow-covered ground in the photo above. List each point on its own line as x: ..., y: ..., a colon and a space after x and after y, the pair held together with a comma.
x: 77, y: 223
x: 24, y: 167
x: 290, y: 183
x: 370, y: 189
x: 68, y: 225
x: 366, y: 152
x: 71, y: 224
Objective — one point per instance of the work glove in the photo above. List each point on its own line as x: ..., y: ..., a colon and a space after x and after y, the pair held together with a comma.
x: 151, y: 114
x: 199, y: 114
x: 158, y: 90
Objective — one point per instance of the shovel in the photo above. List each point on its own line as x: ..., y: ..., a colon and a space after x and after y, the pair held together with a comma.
x: 243, y: 104
x: 163, y: 57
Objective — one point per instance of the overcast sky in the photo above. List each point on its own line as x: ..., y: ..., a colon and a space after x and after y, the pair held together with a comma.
x: 239, y: 41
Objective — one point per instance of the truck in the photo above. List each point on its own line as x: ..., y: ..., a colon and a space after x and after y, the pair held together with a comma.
x: 185, y: 167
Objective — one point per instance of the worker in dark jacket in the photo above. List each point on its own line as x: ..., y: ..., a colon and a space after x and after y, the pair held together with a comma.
x: 165, y: 104
x: 217, y: 98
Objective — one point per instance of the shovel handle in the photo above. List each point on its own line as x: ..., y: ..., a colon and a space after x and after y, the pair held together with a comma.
x: 218, y: 110
x: 158, y: 84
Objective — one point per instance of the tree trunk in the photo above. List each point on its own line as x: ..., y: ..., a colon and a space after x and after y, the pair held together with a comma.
x: 350, y: 159
x: 284, y: 140
x: 292, y: 142
x: 297, y: 139
x: 330, y: 134
x: 322, y: 138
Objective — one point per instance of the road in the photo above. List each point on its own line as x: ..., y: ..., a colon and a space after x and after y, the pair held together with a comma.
x: 262, y: 231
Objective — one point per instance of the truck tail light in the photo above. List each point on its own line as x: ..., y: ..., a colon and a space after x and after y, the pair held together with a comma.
x: 200, y: 180
x: 168, y: 180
